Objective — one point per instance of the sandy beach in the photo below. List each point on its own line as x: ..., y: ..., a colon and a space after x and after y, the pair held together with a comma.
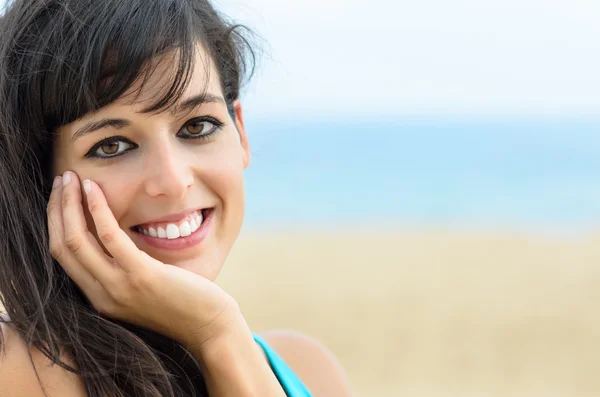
x: 433, y: 312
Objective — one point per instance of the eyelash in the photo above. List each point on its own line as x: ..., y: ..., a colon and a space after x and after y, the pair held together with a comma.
x: 114, y: 139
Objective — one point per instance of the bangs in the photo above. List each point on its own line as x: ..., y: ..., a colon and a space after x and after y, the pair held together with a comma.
x: 102, y: 47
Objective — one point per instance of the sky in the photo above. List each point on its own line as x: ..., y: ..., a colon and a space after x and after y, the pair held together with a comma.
x: 394, y: 57
x: 383, y: 57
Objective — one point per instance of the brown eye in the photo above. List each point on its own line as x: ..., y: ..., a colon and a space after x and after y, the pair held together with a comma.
x: 110, y: 148
x: 200, y: 128
x: 196, y: 127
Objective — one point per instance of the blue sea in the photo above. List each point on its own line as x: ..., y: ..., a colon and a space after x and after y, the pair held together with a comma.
x: 429, y: 171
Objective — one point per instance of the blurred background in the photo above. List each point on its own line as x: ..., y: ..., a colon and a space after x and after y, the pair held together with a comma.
x: 424, y: 195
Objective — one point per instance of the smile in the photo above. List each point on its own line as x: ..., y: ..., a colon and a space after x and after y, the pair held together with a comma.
x: 177, y: 235
x: 172, y: 230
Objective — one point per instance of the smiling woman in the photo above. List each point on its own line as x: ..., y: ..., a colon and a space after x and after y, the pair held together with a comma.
x: 182, y: 167
x: 123, y: 136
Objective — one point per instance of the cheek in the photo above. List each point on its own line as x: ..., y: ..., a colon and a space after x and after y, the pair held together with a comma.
x: 223, y: 169
x: 118, y: 195
x: 225, y: 177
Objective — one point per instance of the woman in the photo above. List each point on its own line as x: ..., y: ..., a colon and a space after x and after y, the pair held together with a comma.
x: 121, y: 127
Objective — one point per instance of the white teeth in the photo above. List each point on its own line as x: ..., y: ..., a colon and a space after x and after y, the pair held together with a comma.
x: 172, y: 231
x: 185, y: 229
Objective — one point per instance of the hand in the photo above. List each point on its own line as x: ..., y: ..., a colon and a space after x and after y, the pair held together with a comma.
x: 129, y: 284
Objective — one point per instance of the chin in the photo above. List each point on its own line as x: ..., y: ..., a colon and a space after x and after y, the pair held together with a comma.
x: 203, y: 268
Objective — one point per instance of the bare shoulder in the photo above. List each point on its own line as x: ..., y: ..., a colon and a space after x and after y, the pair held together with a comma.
x: 17, y: 375
x: 314, y: 364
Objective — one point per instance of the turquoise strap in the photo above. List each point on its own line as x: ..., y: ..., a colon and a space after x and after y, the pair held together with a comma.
x: 292, y: 385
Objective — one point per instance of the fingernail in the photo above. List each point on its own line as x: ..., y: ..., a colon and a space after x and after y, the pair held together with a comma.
x: 56, y: 181
x: 66, y: 178
x: 87, y: 186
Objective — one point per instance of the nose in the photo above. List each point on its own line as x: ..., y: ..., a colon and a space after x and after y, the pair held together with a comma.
x: 167, y: 173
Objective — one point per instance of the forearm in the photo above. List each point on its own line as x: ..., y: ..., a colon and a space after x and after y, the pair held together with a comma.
x: 234, y: 365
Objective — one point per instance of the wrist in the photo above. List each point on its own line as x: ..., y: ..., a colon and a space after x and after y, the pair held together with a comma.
x: 226, y: 326
x: 234, y: 365
x: 231, y: 335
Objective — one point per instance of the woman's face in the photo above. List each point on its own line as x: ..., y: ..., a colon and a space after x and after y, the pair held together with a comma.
x: 179, y: 165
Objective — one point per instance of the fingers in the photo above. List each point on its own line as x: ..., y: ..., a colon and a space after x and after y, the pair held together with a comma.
x: 59, y: 251
x: 78, y: 239
x: 116, y: 241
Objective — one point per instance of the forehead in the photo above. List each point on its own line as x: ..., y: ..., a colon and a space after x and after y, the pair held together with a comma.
x: 156, y: 80
x: 161, y: 72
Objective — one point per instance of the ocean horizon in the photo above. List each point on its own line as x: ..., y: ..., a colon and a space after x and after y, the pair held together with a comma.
x: 435, y: 170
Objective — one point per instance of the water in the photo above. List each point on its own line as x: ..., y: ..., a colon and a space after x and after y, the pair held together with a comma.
x: 520, y: 172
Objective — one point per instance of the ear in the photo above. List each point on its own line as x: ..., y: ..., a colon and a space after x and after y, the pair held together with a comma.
x: 239, y: 124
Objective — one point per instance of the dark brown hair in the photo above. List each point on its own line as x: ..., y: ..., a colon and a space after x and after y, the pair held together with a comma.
x: 60, y: 59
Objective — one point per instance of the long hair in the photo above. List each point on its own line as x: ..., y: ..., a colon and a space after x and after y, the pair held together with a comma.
x: 60, y: 59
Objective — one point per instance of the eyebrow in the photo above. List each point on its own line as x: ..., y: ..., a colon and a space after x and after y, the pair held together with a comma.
x: 187, y: 106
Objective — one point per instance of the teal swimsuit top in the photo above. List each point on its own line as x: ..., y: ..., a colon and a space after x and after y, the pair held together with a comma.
x: 292, y: 385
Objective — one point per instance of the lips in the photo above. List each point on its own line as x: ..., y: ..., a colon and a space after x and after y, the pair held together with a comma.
x: 173, y: 229
x: 173, y: 218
